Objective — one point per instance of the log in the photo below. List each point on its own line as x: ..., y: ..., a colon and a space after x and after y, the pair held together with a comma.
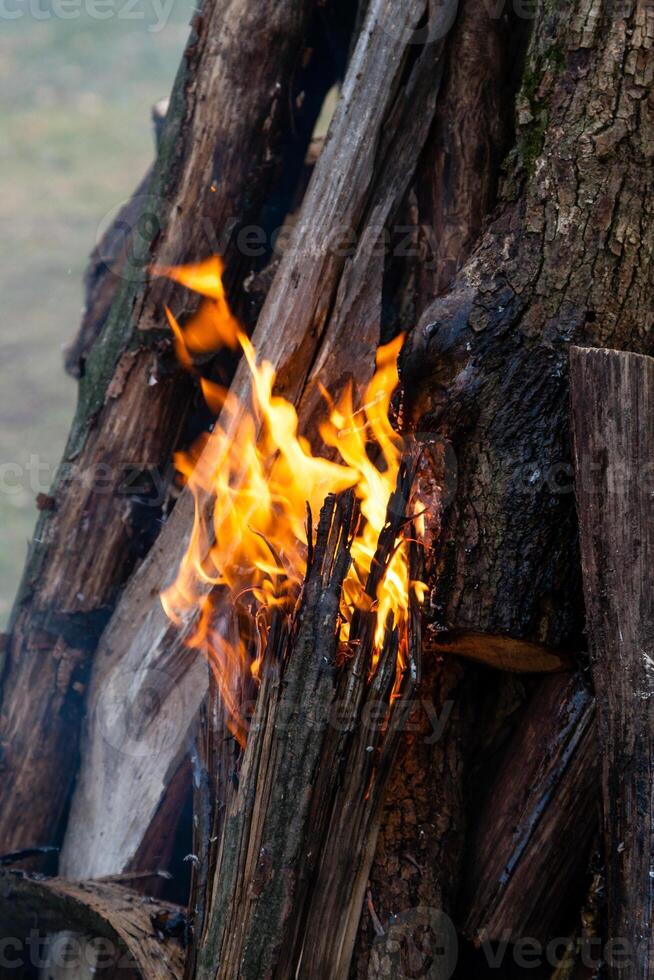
x: 299, y: 833
x: 565, y: 258
x: 315, y: 280
x: 120, y: 932
x: 421, y: 840
x: 612, y: 397
x: 213, y: 162
x: 486, y: 367
x: 529, y: 845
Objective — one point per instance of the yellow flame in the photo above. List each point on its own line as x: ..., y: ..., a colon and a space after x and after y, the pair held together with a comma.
x: 252, y: 479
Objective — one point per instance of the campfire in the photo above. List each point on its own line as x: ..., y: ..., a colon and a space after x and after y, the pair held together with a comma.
x: 257, y: 485
x: 263, y: 707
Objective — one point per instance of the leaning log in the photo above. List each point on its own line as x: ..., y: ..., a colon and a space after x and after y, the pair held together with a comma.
x: 613, y: 418
x: 567, y: 257
x: 213, y: 169
x: 322, y: 279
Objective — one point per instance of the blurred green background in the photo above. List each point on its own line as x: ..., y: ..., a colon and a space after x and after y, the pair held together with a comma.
x: 75, y: 138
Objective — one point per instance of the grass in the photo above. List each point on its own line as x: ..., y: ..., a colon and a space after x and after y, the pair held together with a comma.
x: 75, y: 138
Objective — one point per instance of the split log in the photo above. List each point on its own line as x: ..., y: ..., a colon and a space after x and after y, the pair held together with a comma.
x: 299, y: 833
x: 213, y: 170
x: 373, y: 146
x: 119, y: 932
x: 613, y: 418
x: 530, y: 844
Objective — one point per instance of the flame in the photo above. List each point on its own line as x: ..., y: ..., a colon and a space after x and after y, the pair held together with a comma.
x: 252, y: 479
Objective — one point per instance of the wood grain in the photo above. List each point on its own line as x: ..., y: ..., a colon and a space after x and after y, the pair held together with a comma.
x: 612, y: 396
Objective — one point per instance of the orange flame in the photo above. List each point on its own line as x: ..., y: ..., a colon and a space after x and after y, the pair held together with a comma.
x: 252, y: 479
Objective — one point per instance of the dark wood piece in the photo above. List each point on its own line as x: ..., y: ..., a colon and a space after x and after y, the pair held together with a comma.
x: 299, y: 833
x: 531, y: 838
x: 613, y: 419
x: 145, y: 938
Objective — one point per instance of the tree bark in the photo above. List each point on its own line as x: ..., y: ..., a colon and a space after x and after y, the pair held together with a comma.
x: 566, y: 256
x: 373, y: 146
x: 212, y: 171
x: 612, y: 410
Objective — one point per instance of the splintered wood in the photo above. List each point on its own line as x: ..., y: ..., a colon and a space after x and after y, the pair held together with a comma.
x: 299, y: 830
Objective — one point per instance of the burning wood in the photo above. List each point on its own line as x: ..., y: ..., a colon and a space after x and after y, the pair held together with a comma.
x: 278, y: 660
x: 253, y: 479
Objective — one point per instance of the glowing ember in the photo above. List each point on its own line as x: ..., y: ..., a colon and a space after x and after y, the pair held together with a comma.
x: 252, y: 479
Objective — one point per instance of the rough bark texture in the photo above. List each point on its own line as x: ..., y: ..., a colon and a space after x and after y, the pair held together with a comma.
x: 613, y: 417
x: 137, y: 932
x: 418, y: 860
x: 569, y: 256
x: 212, y: 171
x: 373, y: 146
x: 531, y: 839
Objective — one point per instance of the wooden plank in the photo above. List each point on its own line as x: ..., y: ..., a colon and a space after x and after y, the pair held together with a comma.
x: 612, y: 396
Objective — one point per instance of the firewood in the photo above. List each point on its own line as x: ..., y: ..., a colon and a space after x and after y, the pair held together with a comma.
x: 612, y: 412
x: 421, y: 840
x: 530, y: 842
x: 315, y: 278
x: 486, y: 366
x: 126, y: 932
x: 299, y: 833
x: 214, y: 167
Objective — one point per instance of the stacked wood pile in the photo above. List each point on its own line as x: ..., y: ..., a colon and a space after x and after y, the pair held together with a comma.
x: 487, y: 187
